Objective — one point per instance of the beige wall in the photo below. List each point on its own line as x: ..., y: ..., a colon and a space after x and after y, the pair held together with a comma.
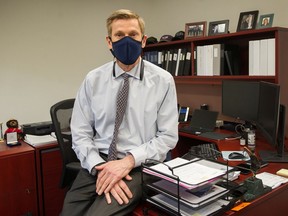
x: 48, y: 46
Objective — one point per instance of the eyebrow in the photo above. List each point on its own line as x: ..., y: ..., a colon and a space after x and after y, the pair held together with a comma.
x: 130, y: 32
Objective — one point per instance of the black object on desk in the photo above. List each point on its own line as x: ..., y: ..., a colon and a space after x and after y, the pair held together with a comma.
x: 205, y: 150
x: 201, y: 121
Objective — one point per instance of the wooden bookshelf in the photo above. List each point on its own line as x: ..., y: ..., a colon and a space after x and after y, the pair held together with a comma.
x: 193, y: 90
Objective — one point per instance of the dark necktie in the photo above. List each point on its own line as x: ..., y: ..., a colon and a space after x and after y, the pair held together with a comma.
x: 120, y: 110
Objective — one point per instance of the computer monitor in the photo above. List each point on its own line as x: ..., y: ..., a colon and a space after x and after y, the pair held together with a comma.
x: 271, y: 122
x: 240, y: 100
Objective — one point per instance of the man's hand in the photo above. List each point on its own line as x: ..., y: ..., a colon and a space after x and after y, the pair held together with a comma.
x: 120, y: 192
x: 110, y: 177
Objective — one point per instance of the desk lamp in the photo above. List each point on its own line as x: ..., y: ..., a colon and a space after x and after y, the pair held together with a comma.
x: 254, y: 185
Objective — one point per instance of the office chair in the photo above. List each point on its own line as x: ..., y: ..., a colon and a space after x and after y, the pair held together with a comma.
x: 61, y: 115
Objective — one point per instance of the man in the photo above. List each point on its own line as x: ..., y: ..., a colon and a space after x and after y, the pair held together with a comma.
x: 148, y: 129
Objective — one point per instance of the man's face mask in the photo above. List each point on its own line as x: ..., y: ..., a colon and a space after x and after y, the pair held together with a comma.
x: 127, y: 50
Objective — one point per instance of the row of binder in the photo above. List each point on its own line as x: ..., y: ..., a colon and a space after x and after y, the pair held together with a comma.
x: 262, y: 57
x: 216, y: 59
x: 175, y: 61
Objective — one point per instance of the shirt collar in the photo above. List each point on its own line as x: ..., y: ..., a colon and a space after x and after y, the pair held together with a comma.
x: 134, y: 72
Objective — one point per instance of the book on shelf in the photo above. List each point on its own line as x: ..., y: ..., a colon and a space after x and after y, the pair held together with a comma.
x: 182, y: 61
x: 271, y: 57
x: 218, y: 59
x: 187, y: 63
x: 262, y: 57
x: 209, y: 60
x: 160, y: 58
x: 254, y: 58
x: 174, y: 56
x: 178, y: 58
x: 263, y: 62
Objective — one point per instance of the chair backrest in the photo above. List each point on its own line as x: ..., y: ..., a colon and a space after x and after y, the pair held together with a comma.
x: 61, y: 116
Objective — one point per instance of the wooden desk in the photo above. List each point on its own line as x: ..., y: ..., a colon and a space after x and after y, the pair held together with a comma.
x: 28, y: 173
x: 18, y: 191
x: 272, y: 203
x: 49, y: 169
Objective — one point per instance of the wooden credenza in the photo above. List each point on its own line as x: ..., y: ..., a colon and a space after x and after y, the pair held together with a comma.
x: 49, y: 169
x: 18, y: 186
x: 29, y: 181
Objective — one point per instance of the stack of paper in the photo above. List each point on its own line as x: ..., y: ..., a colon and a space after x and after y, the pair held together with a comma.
x: 186, y: 209
x: 193, y: 199
x: 271, y: 180
x: 39, y: 140
x: 191, y: 174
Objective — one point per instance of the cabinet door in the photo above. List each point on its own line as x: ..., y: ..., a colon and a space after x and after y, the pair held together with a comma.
x: 53, y: 195
x: 18, y: 194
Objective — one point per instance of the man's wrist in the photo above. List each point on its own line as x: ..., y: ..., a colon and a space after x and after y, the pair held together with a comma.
x: 131, y: 160
x: 94, y: 171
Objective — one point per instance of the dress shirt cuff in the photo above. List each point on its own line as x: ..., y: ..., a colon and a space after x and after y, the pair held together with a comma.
x: 93, y: 159
x: 139, y: 157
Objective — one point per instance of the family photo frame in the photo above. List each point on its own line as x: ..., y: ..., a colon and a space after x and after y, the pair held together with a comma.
x: 247, y: 20
x: 196, y: 29
x: 218, y: 27
x: 265, y: 21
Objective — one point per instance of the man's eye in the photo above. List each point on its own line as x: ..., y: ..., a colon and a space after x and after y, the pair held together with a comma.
x: 119, y: 35
x: 133, y: 35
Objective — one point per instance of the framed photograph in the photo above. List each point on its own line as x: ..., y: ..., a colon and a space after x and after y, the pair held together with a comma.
x: 247, y: 20
x: 218, y: 27
x: 197, y: 29
x: 265, y: 21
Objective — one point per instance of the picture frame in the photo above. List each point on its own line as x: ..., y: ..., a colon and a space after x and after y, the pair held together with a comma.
x: 265, y: 21
x: 247, y: 20
x: 218, y: 27
x: 196, y: 29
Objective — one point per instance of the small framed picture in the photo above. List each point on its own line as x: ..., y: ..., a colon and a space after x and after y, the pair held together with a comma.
x: 218, y: 27
x: 197, y: 29
x: 247, y: 20
x: 265, y: 21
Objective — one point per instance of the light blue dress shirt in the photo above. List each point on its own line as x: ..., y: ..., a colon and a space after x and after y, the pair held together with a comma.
x: 150, y: 125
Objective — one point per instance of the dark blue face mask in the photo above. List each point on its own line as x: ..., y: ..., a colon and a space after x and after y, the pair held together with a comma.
x: 127, y: 50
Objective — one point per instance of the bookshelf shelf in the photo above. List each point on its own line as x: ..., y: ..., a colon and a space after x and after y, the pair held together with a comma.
x: 239, y: 39
x: 217, y: 80
x: 193, y: 89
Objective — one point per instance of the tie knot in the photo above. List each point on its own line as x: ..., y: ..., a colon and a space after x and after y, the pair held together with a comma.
x: 125, y: 75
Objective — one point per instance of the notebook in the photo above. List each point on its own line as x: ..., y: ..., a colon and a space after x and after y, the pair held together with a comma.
x: 202, y: 121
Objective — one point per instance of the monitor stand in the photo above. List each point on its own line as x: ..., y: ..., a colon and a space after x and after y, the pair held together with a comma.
x: 272, y: 156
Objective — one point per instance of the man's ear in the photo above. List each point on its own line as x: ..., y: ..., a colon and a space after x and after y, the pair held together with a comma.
x: 144, y: 41
x: 109, y: 42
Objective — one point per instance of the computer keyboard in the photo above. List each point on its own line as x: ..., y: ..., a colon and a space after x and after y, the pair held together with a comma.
x: 205, y: 150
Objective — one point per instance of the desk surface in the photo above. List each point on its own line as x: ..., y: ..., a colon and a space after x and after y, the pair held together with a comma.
x: 12, y: 150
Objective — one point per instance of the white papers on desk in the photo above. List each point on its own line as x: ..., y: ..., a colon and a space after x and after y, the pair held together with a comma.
x: 271, y: 180
x: 39, y: 140
x: 186, y: 209
x: 186, y: 196
x: 191, y: 173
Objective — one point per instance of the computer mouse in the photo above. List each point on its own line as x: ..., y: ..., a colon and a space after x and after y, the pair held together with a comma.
x: 236, y: 155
